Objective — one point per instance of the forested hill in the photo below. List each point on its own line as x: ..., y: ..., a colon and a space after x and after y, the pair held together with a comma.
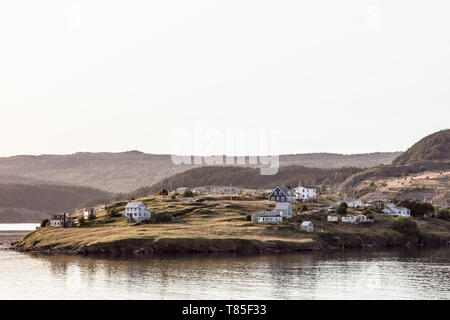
x: 250, y: 178
x: 30, y: 203
x: 127, y: 171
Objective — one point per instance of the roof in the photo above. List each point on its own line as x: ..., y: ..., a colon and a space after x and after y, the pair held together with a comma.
x: 267, y: 214
x: 134, y: 204
x: 60, y: 217
x: 286, y: 190
x: 306, y: 223
x: 282, y: 205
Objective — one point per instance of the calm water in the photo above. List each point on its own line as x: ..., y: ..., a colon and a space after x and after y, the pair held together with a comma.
x: 350, y: 274
x: 18, y: 226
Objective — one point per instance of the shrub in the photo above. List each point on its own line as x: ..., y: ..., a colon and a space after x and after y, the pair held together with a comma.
x: 444, y: 214
x: 173, y: 197
x: 418, y: 209
x: 304, y: 208
x: 248, y: 218
x: 188, y: 193
x: 163, y: 217
x: 45, y: 222
x: 113, y: 213
x: 91, y: 216
x: 81, y: 221
x: 342, y: 208
x: 405, y: 225
x: 163, y: 192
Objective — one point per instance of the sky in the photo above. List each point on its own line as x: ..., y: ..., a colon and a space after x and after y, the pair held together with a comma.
x: 326, y: 76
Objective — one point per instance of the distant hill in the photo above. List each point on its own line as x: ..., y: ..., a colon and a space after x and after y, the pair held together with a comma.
x: 433, y: 147
x: 31, y: 203
x: 127, y: 171
x: 250, y: 178
x: 432, y: 153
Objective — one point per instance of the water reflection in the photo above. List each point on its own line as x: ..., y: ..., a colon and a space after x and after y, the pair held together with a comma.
x: 366, y: 274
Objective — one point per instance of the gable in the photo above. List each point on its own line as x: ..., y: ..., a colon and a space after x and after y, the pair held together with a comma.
x: 278, y: 192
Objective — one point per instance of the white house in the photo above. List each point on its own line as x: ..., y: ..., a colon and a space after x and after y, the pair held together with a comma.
x: 305, y: 193
x: 136, y: 211
x: 353, y: 203
x: 284, y: 209
x: 87, y: 212
x: 61, y: 221
x: 267, y: 217
x: 282, y: 194
x: 307, y: 226
x: 333, y: 218
x: 392, y: 210
x: 349, y: 218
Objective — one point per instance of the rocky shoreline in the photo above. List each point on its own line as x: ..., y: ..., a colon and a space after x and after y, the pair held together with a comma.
x: 198, y: 246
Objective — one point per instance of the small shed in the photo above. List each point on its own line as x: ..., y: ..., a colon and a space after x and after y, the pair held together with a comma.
x: 333, y: 218
x: 307, y: 226
x: 348, y: 218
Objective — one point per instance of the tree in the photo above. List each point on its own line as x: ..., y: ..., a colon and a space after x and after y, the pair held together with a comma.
x: 113, y: 213
x: 444, y: 214
x: 405, y: 225
x: 342, y: 208
x: 304, y: 208
x: 163, y: 192
x: 418, y: 209
x: 91, y: 216
x: 45, y: 222
x: 248, y: 218
x: 188, y: 193
x: 81, y: 221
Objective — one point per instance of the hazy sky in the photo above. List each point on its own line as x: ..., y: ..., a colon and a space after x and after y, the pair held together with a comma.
x: 333, y: 76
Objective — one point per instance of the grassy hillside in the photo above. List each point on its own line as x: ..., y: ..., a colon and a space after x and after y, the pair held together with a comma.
x: 127, y: 171
x: 27, y: 203
x: 219, y: 224
x: 250, y: 178
x: 433, y: 147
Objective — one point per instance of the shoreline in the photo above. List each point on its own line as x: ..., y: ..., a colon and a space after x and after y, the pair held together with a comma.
x: 167, y: 246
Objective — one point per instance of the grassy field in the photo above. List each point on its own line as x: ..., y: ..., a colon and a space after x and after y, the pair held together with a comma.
x: 218, y: 223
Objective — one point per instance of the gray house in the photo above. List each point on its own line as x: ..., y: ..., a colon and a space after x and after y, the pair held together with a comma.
x: 61, y: 221
x: 267, y: 217
x: 282, y: 194
x: 284, y: 209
